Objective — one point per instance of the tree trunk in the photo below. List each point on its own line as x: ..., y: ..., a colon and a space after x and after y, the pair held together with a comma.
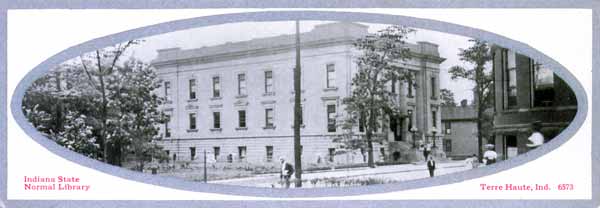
x: 369, y: 135
x: 480, y: 109
x: 297, y: 112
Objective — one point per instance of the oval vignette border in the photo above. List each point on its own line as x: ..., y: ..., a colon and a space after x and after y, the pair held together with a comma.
x: 182, y: 184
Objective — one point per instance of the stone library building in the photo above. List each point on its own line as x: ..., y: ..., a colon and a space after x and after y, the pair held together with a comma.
x: 235, y: 101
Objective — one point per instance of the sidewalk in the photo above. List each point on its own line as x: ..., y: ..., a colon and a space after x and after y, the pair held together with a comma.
x: 390, y: 172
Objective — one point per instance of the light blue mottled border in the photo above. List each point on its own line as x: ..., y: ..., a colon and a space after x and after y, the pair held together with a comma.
x: 251, y: 191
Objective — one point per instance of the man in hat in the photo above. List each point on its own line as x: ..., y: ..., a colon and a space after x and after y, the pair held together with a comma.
x: 536, y: 138
x: 287, y: 170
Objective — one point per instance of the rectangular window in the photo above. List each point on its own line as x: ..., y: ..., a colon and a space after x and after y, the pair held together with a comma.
x: 192, y: 117
x: 433, y: 90
x: 216, y: 152
x: 410, y: 119
x: 331, y: 117
x: 433, y: 118
x: 167, y: 130
x: 217, y: 120
x: 543, y: 86
x: 192, y: 153
x: 242, y: 152
x: 410, y: 85
x: 447, y: 127
x: 241, y: 84
x: 447, y: 145
x: 192, y: 88
x: 331, y: 154
x: 268, y: 81
x: 330, y: 75
x: 511, y: 78
x: 216, y: 87
x: 382, y: 152
x: 167, y: 90
x: 242, y: 118
x: 362, y: 120
x: 393, y: 85
x: 269, y: 153
x: 269, y: 117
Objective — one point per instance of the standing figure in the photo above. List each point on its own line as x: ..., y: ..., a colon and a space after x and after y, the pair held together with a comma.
x: 490, y: 156
x: 536, y: 138
x: 430, y: 165
x: 426, y: 150
x: 287, y: 170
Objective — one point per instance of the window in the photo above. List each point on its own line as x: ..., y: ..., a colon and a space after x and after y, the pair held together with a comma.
x: 192, y: 153
x: 217, y: 120
x: 241, y: 84
x: 268, y: 82
x: 447, y: 145
x: 362, y: 120
x: 433, y: 90
x: 216, y: 152
x: 216, y: 87
x: 331, y: 154
x: 410, y: 119
x: 192, y: 89
x: 330, y: 76
x: 434, y: 117
x: 393, y: 85
x: 447, y: 127
x: 242, y: 152
x: 382, y: 152
x: 331, y: 126
x: 192, y: 117
x: 510, y: 78
x: 269, y: 118
x: 410, y: 85
x: 242, y: 118
x: 167, y: 130
x: 167, y: 90
x: 269, y: 153
x: 543, y: 86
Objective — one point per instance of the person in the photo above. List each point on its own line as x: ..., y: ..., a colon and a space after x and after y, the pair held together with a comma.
x: 471, y: 162
x: 536, y: 138
x: 287, y: 170
x: 490, y: 156
x: 430, y: 165
x: 426, y: 150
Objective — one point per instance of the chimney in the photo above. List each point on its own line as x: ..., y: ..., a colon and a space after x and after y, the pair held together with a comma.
x: 463, y: 103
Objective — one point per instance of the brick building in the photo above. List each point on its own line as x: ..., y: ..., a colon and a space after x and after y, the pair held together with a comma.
x: 459, y: 130
x: 526, y: 92
x: 235, y: 100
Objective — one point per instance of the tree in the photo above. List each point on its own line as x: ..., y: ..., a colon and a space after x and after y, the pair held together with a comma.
x: 378, y: 65
x: 478, y: 55
x: 447, y: 97
x: 107, y: 109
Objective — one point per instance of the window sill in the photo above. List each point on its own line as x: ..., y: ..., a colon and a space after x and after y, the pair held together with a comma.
x: 215, y: 130
x: 269, y: 127
x: 269, y: 94
x: 410, y: 96
x: 216, y: 98
x: 168, y: 101
x: 241, y: 96
x: 193, y: 100
x: 192, y: 130
x: 241, y: 128
x: 330, y: 89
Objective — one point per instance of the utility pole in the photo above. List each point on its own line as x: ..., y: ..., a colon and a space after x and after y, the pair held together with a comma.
x: 297, y: 112
x: 205, y: 175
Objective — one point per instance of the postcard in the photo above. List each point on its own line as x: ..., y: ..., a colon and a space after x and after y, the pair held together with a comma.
x: 300, y: 105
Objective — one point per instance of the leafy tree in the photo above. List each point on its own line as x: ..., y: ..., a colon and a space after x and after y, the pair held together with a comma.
x: 478, y: 55
x: 99, y: 106
x: 377, y: 67
x: 447, y: 97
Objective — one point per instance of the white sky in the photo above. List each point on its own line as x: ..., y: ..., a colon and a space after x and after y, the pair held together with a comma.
x: 214, y: 35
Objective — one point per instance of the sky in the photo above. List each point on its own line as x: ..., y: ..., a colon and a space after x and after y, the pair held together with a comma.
x: 449, y: 44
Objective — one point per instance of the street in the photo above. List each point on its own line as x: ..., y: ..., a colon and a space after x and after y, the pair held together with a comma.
x: 394, y: 173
